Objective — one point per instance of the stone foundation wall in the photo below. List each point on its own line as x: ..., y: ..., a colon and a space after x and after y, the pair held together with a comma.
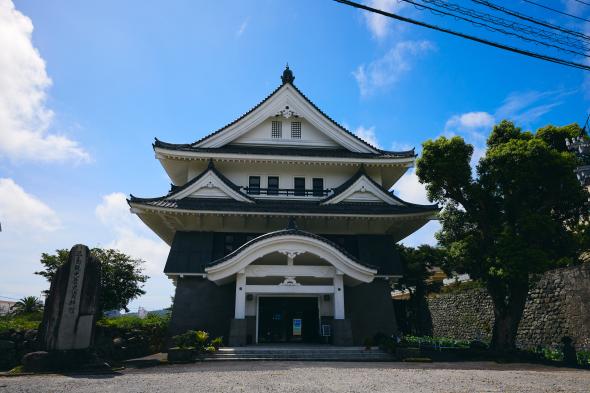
x: 558, y: 306
x: 465, y: 315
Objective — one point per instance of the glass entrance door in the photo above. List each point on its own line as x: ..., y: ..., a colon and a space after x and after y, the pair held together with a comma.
x: 288, y: 319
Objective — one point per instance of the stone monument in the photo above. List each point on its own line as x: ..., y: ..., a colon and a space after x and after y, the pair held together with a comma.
x: 70, y: 314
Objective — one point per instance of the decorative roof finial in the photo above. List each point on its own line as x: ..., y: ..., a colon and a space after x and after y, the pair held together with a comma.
x: 292, y: 225
x: 287, y: 76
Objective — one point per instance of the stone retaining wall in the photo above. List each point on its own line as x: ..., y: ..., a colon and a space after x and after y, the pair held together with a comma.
x: 558, y: 306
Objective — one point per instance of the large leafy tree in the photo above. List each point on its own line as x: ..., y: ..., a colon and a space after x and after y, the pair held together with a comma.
x: 417, y: 264
x: 122, y: 276
x: 519, y: 216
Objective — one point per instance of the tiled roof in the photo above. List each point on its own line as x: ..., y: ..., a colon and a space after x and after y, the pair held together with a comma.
x: 361, y: 172
x: 284, y: 151
x: 280, y: 206
x: 194, y: 145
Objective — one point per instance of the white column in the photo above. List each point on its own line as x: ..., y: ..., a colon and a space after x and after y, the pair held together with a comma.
x: 338, y: 296
x: 240, y: 312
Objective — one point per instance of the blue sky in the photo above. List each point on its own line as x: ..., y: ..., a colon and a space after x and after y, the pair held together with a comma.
x: 86, y: 86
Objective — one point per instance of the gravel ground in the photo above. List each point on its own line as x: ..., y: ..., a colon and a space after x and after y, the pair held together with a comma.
x: 314, y: 377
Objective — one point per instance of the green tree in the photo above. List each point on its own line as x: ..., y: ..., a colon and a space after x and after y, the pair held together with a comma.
x: 518, y: 217
x: 26, y: 305
x: 121, y: 275
x: 417, y: 265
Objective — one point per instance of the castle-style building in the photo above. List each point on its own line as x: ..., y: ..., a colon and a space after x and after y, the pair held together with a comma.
x: 282, y: 227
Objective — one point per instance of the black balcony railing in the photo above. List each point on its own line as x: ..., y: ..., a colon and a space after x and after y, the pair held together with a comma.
x: 287, y: 191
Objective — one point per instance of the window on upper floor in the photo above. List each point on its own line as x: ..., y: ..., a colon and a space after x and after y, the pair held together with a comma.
x: 254, y: 185
x: 299, y: 186
x: 273, y: 185
x: 318, y: 186
x: 296, y: 130
x: 277, y: 130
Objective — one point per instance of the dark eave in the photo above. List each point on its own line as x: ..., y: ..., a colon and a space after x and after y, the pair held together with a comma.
x: 285, y: 151
x: 288, y: 231
x: 194, y: 146
x: 280, y: 206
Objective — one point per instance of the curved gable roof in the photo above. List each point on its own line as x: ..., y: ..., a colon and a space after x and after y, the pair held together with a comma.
x: 289, y: 83
x: 296, y: 240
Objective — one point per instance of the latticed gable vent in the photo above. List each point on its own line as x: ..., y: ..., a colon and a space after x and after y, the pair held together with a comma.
x: 296, y: 130
x: 277, y: 129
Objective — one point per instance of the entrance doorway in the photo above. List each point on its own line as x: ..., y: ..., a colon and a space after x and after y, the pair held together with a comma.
x: 288, y: 319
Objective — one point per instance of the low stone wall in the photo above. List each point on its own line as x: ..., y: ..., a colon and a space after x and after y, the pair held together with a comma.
x: 558, y: 306
x: 13, y: 345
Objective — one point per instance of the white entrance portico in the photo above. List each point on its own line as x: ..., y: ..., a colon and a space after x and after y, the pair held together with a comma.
x: 290, y: 263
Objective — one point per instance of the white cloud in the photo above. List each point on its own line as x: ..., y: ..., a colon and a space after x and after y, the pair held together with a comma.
x: 379, y: 24
x: 25, y: 119
x: 387, y: 70
x: 368, y: 135
x: 242, y: 27
x: 23, y: 213
x: 400, y: 146
x: 132, y: 237
x: 523, y: 108
x: 527, y: 106
x: 130, y: 234
x: 471, y: 120
x: 409, y: 188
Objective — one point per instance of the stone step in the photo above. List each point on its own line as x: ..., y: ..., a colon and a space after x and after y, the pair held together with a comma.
x: 329, y: 354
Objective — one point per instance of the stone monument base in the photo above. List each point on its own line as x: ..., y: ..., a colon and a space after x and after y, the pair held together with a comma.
x: 77, y: 359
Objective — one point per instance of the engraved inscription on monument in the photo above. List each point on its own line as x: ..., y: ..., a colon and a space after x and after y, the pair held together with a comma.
x: 72, y: 305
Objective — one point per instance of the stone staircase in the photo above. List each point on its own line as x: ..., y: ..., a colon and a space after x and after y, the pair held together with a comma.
x: 292, y: 352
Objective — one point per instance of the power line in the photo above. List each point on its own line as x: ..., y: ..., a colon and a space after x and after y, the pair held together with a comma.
x: 582, y: 2
x: 511, y: 24
x: 10, y: 298
x: 499, y: 30
x: 555, y: 10
x: 531, y: 19
x: 469, y: 37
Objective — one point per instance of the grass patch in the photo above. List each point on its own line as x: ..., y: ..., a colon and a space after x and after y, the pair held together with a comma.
x: 435, y: 342
x: 418, y: 360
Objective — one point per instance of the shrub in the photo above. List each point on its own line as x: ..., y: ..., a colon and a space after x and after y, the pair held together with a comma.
x: 201, y: 338
x: 388, y: 344
x: 217, y: 342
x: 584, y: 358
x: 368, y: 342
x: 461, y: 286
x: 197, y: 340
x: 21, y: 322
x: 129, y: 336
x: 436, y: 342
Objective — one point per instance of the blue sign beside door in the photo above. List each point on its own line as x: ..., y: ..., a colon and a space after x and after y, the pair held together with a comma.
x: 297, y: 326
